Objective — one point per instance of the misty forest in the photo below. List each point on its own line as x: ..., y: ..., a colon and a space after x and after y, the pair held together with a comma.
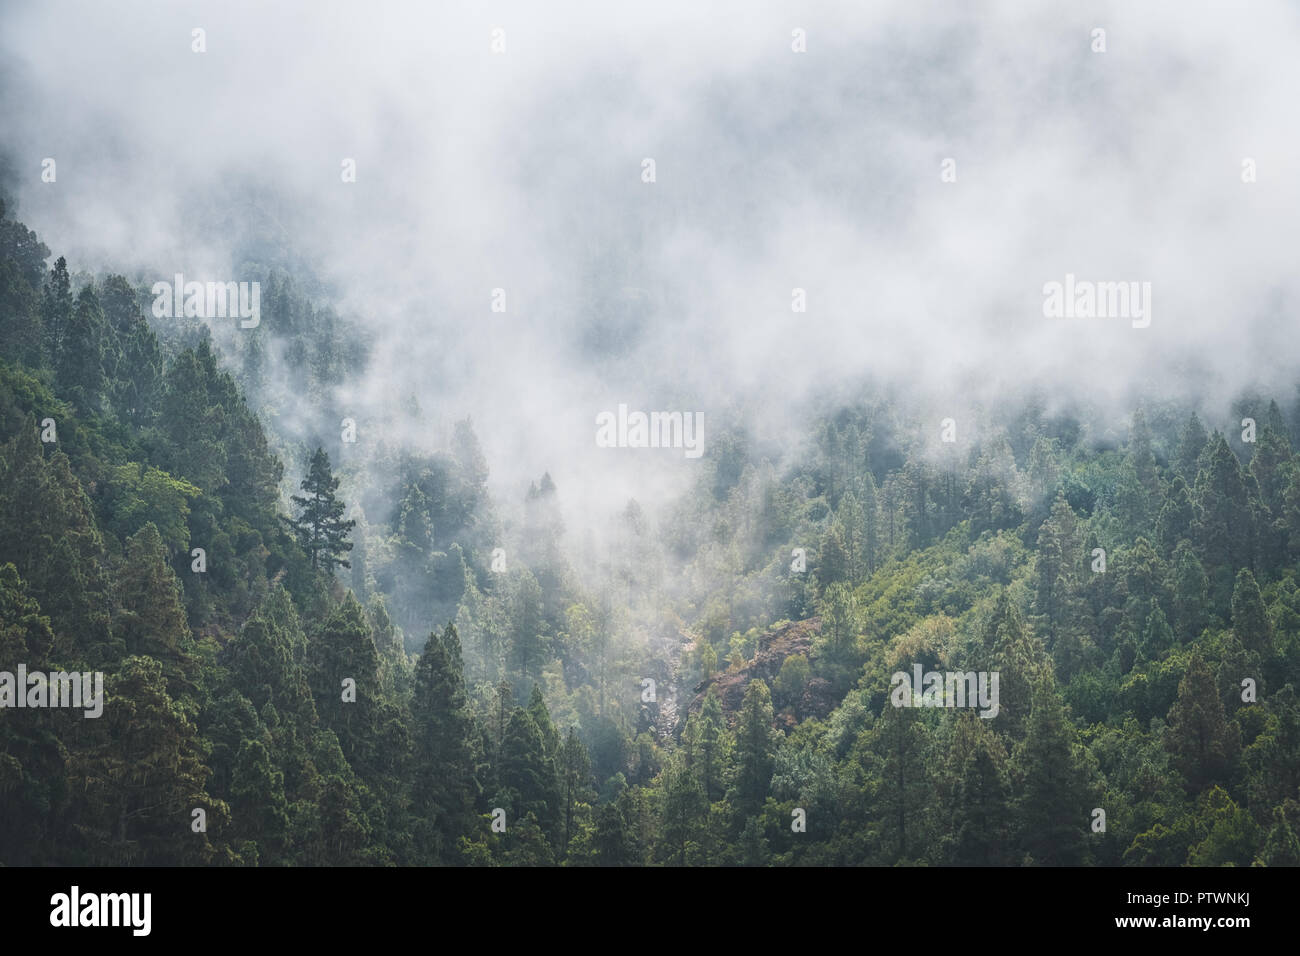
x: 675, y: 699
x: 357, y: 600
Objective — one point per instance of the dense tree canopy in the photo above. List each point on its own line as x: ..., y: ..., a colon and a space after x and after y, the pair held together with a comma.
x: 444, y: 677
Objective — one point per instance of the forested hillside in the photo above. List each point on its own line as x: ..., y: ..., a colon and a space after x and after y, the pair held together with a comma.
x: 346, y: 652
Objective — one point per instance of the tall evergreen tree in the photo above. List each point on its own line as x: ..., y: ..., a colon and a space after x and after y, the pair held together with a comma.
x: 1203, y: 742
x: 79, y: 371
x: 575, y: 777
x: 320, y: 526
x: 1191, y: 443
x: 1225, y: 526
x: 528, y: 776
x: 979, y: 807
x: 1052, y: 800
x: 708, y: 744
x: 1250, y: 621
x: 444, y: 783
x: 56, y: 310
x: 902, y: 746
x: 153, y: 619
x: 1174, y: 523
x: 1190, y: 589
x: 1018, y: 656
x: 755, y: 741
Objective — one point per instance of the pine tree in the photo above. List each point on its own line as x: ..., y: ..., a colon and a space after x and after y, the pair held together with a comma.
x: 1140, y: 453
x: 1250, y: 621
x: 755, y: 743
x: 870, y: 525
x: 612, y: 844
x: 1157, y: 635
x: 1190, y: 588
x: 320, y: 526
x: 708, y: 744
x: 1191, y: 444
x: 901, y: 743
x: 1174, y: 523
x: 753, y: 844
x: 143, y: 770
x: 139, y: 381
x: 257, y: 802
x: 21, y: 335
x: 153, y: 618
x: 839, y: 613
x: 266, y: 661
x: 193, y: 420
x: 979, y: 809
x: 684, y: 812
x: 56, y: 310
x: 528, y: 638
x: 80, y: 368
x: 833, y: 563
x: 575, y: 777
x: 1282, y: 845
x: 852, y: 523
x: 1202, y: 741
x: 1018, y: 656
x: 1055, y: 569
x: 1052, y: 799
x: 991, y: 490
x: 444, y: 779
x: 1225, y: 526
x: 1289, y: 519
x: 33, y: 760
x: 1272, y: 452
x: 527, y: 776
x: 48, y: 531
x: 345, y: 650
x: 541, y: 715
x: 1273, y: 758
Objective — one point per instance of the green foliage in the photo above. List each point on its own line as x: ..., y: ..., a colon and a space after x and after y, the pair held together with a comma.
x: 255, y: 686
x: 320, y: 526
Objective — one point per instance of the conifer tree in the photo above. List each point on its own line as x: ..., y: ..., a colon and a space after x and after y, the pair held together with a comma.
x: 901, y: 743
x: 755, y: 740
x: 1052, y: 801
x: 684, y: 812
x: 80, y: 368
x: 1190, y: 587
x: 1018, y: 656
x: 345, y: 651
x: 527, y: 775
x: 1191, y: 443
x: 1250, y: 621
x: 529, y: 637
x: 575, y: 770
x: 1225, y: 526
x: 444, y: 782
x: 1174, y: 523
x: 320, y: 526
x: 1203, y: 742
x: 56, y: 310
x: 257, y: 802
x: 980, y: 815
x: 153, y: 618
x: 707, y: 741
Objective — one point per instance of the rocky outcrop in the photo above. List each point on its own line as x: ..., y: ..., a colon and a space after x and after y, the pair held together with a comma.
x: 774, y: 648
